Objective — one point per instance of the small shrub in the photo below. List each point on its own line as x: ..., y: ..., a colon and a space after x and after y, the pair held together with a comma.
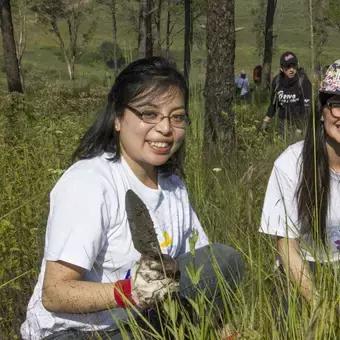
x: 106, y: 54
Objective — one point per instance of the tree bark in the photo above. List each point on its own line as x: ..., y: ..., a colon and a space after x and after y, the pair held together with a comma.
x: 9, y: 48
x: 268, y: 44
x: 168, y: 31
x: 145, y: 43
x: 219, y: 83
x: 187, y: 40
x: 73, y: 27
x: 158, y: 18
x: 21, y: 43
x: 70, y: 67
x: 114, y: 32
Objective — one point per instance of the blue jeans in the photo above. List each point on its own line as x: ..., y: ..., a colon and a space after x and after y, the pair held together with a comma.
x: 230, y: 265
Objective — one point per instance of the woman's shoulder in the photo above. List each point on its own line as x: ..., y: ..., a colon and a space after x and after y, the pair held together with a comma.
x: 289, y: 160
x: 88, y: 172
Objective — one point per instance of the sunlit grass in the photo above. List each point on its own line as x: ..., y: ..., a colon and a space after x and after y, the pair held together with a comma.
x: 35, y: 148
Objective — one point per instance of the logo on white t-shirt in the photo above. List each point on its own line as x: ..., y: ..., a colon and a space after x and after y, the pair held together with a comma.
x: 334, y: 236
x: 167, y: 240
x: 337, y: 242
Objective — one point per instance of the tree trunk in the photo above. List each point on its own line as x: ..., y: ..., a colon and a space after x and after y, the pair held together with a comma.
x: 168, y: 31
x: 187, y: 40
x: 320, y: 34
x: 73, y: 34
x: 145, y: 30
x: 70, y: 67
x: 268, y: 44
x: 21, y: 44
x: 114, y: 32
x: 9, y: 48
x: 192, y: 20
x: 149, y: 39
x: 158, y: 18
x: 219, y: 83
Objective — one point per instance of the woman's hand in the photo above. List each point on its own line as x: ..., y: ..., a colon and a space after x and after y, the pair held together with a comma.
x: 64, y: 290
x: 264, y: 125
x: 153, y: 280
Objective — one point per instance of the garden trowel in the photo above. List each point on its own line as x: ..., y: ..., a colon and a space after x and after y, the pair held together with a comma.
x: 144, y: 236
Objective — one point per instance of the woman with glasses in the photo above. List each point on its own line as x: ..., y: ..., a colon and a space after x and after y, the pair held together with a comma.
x: 91, y: 273
x: 302, y: 202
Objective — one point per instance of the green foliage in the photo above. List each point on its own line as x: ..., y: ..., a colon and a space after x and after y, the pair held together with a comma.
x: 35, y: 150
x: 50, y: 9
x: 332, y: 14
x: 8, y: 248
x: 106, y: 52
x: 90, y: 58
x: 42, y: 46
x: 39, y: 132
x: 74, y: 15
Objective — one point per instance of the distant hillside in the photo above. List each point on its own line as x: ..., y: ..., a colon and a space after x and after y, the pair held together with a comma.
x: 291, y: 26
x: 292, y: 29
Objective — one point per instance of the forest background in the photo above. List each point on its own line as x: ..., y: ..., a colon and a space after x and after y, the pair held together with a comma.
x: 40, y: 127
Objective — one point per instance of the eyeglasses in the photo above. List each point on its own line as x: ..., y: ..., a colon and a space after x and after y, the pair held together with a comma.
x: 334, y: 108
x: 180, y: 121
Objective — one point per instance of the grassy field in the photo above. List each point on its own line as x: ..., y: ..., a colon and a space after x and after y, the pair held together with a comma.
x: 39, y: 133
x: 35, y: 147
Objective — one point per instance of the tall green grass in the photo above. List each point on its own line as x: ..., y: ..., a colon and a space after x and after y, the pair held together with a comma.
x: 37, y: 136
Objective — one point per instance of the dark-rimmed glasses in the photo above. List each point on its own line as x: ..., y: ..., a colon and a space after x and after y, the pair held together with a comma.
x: 180, y: 121
x: 334, y: 108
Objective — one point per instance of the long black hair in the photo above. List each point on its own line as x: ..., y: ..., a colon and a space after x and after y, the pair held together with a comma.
x: 313, y: 193
x: 142, y: 80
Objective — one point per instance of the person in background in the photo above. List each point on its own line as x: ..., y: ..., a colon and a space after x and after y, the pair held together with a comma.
x: 242, y: 86
x: 257, y: 75
x: 301, y: 205
x: 91, y: 273
x: 291, y: 96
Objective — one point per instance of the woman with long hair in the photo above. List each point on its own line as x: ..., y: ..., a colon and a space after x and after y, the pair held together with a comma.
x: 302, y: 202
x: 92, y: 272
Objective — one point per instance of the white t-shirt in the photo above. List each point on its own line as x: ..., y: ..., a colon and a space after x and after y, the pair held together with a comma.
x: 88, y: 227
x: 280, y: 215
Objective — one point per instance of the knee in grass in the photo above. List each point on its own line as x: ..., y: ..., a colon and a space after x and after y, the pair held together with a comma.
x: 229, y: 262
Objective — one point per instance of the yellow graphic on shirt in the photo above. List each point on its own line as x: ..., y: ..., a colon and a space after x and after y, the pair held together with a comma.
x: 168, y: 240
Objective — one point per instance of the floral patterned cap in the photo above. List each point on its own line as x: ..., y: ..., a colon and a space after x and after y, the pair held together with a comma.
x: 331, y: 82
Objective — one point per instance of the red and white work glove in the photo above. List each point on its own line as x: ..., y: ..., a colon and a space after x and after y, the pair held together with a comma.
x: 151, y: 281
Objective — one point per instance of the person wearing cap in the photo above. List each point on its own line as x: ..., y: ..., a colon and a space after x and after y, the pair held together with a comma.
x: 301, y: 205
x: 291, y: 95
x: 242, y: 85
